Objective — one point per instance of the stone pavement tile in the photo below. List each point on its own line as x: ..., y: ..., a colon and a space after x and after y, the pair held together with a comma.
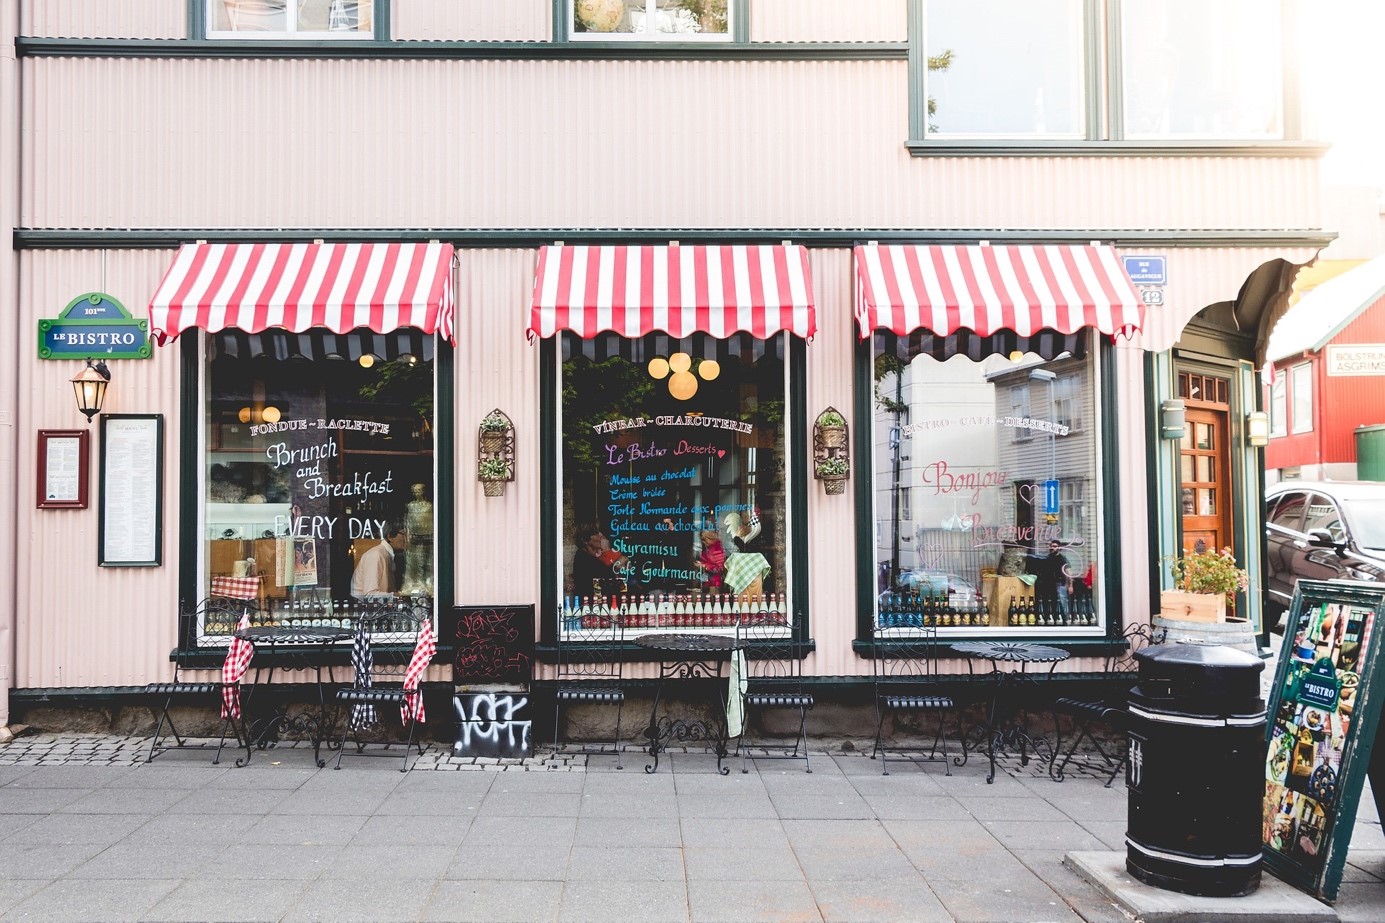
x: 433, y: 802
x: 265, y: 860
x: 749, y: 833
x: 843, y: 806
x: 127, y: 860
x: 84, y: 900
x: 147, y: 801
x: 525, y: 804
x: 9, y: 774
x: 630, y: 805
x: 191, y: 829
x: 509, y: 863
x: 726, y: 806
x: 1367, y: 837
x: 692, y: 761
x: 349, y: 801
x: 1090, y: 902
x: 631, y: 782
x: 12, y: 891
x: 753, y: 902
x: 1362, y: 865
x: 929, y: 806
x: 405, y: 830
x: 363, y: 863
x: 1029, y: 834
x: 1361, y: 903
x: 997, y: 899
x: 803, y: 783
x: 453, y: 783
x: 656, y: 830
x: 898, y: 784
x: 825, y: 862
x: 698, y: 783
x: 845, y: 835
x: 352, y: 780
x: 883, y: 901
x: 1110, y: 832
x: 67, y: 829
x: 520, y: 831
x: 266, y: 771
x: 735, y: 861
x: 170, y: 775
x: 303, y: 829
x: 20, y: 860
x: 230, y: 801
x: 367, y: 900
x: 971, y: 780
x: 625, y: 863
x: 67, y: 776
x: 513, y: 901
x: 227, y: 900
x: 14, y: 800
x: 12, y: 824
x: 593, y: 901
x: 983, y: 808
x: 545, y: 783
x: 953, y: 849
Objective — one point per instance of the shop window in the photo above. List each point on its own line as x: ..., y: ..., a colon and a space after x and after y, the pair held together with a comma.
x: 1001, y: 525
x: 318, y: 450
x: 291, y: 19
x: 1023, y: 80
x: 650, y: 20
x: 1279, y: 406
x: 1301, y: 396
x: 674, y: 481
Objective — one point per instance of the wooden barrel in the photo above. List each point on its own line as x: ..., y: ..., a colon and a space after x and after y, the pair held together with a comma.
x: 1236, y: 633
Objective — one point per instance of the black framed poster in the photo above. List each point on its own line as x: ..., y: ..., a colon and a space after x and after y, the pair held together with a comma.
x: 1324, y: 709
x: 131, y: 504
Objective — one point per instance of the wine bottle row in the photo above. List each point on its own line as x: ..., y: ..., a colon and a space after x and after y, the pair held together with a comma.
x: 343, y: 614
x: 1027, y: 611
x: 690, y: 610
x: 914, y: 610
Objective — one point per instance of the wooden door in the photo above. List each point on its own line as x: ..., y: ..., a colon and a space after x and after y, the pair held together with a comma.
x: 1205, y: 488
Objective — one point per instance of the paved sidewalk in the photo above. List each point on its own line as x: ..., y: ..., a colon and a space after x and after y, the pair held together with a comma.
x: 89, y: 833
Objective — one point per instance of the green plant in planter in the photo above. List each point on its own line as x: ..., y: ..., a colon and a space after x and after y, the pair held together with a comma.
x: 831, y: 418
x: 494, y: 423
x: 832, y: 468
x: 493, y: 469
x: 1209, y: 572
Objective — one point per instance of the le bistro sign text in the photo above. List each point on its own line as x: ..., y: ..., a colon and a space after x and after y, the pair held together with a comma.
x: 93, y: 326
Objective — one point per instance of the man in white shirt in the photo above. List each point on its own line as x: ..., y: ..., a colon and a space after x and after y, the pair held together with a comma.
x: 374, y: 574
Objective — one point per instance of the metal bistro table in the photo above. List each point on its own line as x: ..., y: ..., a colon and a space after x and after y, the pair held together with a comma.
x: 995, y: 732
x: 291, y: 647
x: 689, y: 656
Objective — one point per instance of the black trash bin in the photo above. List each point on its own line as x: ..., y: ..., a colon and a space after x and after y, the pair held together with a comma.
x: 1196, y: 771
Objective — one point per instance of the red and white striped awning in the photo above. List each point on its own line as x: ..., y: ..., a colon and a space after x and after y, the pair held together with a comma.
x: 633, y: 291
x: 255, y: 287
x: 985, y: 289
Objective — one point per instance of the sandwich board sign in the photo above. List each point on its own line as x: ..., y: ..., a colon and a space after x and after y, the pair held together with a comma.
x: 1324, y: 708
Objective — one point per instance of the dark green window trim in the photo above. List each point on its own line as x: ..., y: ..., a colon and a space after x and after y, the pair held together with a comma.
x: 1104, y: 104
x: 460, y: 51
x: 197, y: 24
x: 796, y: 501
x: 739, y: 27
x: 172, y: 238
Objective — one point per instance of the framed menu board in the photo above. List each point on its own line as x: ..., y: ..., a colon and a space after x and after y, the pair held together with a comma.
x: 62, y: 469
x: 1324, y: 711
x: 131, y: 514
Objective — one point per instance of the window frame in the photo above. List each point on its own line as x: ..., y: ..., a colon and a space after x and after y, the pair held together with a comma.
x: 200, y: 25
x: 737, y: 30
x: 1300, y: 398
x: 1279, y: 403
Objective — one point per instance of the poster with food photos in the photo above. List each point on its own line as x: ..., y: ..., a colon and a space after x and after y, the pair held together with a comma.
x: 1323, y: 716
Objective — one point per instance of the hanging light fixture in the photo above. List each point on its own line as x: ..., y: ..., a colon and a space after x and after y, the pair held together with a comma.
x: 90, y: 387
x: 677, y: 368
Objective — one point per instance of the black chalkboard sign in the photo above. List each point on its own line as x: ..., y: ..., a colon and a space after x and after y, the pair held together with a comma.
x: 1324, y: 711
x: 491, y: 644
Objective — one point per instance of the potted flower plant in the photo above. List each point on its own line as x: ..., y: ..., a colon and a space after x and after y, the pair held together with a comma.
x: 493, y: 473
x: 494, y: 426
x: 1206, y: 584
x: 832, y: 429
x: 832, y: 471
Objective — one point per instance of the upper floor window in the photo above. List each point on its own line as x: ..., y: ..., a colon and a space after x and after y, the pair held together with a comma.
x: 1279, y: 407
x: 1022, y: 79
x: 1301, y: 396
x: 650, y: 20
x: 291, y: 19
x: 1067, y: 408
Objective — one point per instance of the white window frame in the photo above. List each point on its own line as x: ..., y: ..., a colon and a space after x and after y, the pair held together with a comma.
x: 1067, y: 402
x: 1279, y: 403
x: 1021, y: 407
x: 1301, y: 398
x: 290, y: 33
x: 570, y: 24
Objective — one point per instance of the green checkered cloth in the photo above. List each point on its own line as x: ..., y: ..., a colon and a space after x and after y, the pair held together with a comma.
x: 743, y: 567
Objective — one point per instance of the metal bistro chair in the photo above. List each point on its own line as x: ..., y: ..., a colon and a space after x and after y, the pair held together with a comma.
x: 773, y: 679
x: 590, y: 669
x: 1117, y: 678
x: 216, y: 615
x: 389, y: 639
x: 905, y: 666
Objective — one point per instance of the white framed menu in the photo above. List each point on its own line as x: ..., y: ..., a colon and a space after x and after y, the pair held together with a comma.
x: 131, y: 514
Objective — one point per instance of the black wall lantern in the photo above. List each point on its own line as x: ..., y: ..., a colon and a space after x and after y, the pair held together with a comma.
x: 90, y: 386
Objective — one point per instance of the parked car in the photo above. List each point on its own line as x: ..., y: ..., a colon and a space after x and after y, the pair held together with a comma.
x: 1322, y: 530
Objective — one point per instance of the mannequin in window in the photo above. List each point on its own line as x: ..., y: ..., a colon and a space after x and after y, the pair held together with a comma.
x: 418, y: 561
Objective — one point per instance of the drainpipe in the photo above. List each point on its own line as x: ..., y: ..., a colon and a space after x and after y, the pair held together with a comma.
x: 9, y: 353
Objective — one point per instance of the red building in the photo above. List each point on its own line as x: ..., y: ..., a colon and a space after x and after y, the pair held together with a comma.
x: 1327, y: 360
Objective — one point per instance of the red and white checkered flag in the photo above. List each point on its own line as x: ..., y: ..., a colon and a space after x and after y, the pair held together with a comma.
x: 427, y: 646
x: 237, y: 662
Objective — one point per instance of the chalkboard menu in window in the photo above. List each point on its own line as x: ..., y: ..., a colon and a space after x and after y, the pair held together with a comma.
x: 492, y: 644
x: 1324, y: 711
